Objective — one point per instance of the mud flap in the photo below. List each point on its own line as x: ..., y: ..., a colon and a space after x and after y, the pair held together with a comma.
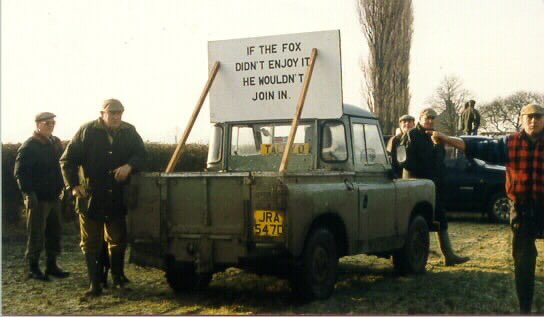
x: 204, y: 256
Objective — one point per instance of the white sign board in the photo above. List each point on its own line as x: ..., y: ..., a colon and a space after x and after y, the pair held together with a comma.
x: 261, y: 78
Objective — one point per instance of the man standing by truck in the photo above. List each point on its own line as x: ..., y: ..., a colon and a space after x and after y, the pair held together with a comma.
x: 425, y: 159
x: 406, y: 122
x: 96, y: 164
x: 38, y: 175
x: 523, y: 153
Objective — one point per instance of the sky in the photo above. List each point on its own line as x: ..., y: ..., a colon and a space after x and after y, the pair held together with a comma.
x: 67, y: 56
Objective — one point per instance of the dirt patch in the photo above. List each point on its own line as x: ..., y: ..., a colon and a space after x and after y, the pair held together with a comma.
x: 366, y: 285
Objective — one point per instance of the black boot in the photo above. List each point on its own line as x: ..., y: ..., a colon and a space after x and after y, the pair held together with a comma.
x: 450, y: 258
x: 53, y: 269
x: 105, y: 267
x: 34, y: 271
x: 93, y: 269
x: 116, y: 262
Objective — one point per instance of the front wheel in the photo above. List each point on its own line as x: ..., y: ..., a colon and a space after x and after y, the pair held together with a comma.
x: 498, y: 208
x: 314, y: 276
x: 412, y: 258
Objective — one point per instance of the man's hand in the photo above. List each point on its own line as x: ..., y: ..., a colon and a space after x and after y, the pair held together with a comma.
x: 121, y: 173
x: 436, y: 136
x: 31, y: 200
x: 79, y: 192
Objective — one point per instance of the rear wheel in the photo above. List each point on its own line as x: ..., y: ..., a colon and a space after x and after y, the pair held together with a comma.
x: 183, y: 277
x: 498, y: 208
x: 412, y: 258
x: 314, y: 275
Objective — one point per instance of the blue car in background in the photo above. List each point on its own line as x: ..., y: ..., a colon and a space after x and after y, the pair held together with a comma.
x: 475, y: 185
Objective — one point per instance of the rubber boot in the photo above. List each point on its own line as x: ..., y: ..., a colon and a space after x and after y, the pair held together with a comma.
x: 93, y: 269
x: 445, y: 245
x: 116, y: 262
x: 123, y: 276
x: 53, y: 269
x: 34, y: 271
x: 105, y: 267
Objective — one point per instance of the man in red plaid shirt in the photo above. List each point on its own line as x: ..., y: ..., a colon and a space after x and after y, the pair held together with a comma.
x: 523, y: 154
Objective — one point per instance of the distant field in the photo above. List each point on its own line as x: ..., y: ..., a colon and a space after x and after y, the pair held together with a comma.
x: 366, y: 285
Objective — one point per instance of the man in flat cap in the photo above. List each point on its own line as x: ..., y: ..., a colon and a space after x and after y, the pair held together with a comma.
x: 406, y: 122
x: 38, y: 175
x: 425, y: 159
x: 523, y: 154
x: 96, y: 164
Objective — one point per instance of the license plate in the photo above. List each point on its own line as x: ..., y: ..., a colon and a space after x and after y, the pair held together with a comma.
x: 268, y: 223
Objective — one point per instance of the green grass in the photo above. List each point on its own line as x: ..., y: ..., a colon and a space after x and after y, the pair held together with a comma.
x: 366, y: 285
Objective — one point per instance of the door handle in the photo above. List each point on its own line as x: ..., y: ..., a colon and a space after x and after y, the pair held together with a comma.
x: 349, y: 185
x: 365, y: 201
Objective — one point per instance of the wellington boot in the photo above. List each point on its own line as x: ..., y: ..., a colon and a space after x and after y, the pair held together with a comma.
x: 450, y: 257
x: 34, y: 271
x: 53, y: 269
x: 95, y: 278
x: 116, y: 261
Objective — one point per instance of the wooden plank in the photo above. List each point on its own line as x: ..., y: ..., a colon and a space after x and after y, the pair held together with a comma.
x: 294, y: 124
x: 181, y: 144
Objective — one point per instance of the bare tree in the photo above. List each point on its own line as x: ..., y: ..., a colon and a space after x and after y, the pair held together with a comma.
x: 388, y: 27
x: 502, y: 114
x: 448, y: 100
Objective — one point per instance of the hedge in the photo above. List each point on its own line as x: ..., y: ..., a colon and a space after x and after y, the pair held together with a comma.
x: 193, y: 158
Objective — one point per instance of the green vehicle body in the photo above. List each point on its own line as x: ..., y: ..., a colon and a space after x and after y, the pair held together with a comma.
x: 203, y: 222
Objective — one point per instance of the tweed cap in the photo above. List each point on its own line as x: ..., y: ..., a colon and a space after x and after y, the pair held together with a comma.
x: 532, y: 108
x: 42, y: 116
x: 428, y: 112
x: 406, y: 117
x: 112, y: 105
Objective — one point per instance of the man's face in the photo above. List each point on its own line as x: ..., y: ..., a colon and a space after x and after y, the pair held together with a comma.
x: 427, y: 121
x: 112, y: 119
x: 46, y: 127
x: 406, y: 125
x: 533, y: 124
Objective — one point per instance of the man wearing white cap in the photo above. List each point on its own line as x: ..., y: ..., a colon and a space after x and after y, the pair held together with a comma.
x: 108, y: 150
x: 523, y: 154
x: 38, y: 175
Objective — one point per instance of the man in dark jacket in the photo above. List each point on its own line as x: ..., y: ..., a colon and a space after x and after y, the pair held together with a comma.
x: 38, y: 175
x: 425, y: 159
x: 471, y: 119
x: 96, y: 165
x: 523, y: 154
x: 406, y: 122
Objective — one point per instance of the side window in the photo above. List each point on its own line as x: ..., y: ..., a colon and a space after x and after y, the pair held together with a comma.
x: 359, y: 147
x: 375, y: 153
x: 333, y: 142
x: 243, y: 141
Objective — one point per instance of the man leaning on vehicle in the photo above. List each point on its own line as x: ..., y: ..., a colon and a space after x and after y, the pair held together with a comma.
x: 406, y: 122
x: 107, y: 150
x: 523, y: 154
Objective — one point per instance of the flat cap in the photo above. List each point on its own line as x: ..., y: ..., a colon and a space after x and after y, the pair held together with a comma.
x: 112, y: 105
x: 428, y: 112
x: 406, y: 117
x: 532, y: 108
x: 42, y: 116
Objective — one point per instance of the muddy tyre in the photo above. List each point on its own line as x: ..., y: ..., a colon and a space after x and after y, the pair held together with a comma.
x: 182, y: 277
x: 314, y: 274
x: 412, y: 258
x: 498, y: 208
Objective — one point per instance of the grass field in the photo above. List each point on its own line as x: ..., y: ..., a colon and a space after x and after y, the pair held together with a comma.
x: 366, y: 285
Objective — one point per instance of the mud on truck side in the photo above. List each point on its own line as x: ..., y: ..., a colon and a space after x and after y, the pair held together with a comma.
x: 338, y: 198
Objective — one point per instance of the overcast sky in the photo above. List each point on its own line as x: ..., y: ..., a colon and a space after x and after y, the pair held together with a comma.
x: 66, y: 56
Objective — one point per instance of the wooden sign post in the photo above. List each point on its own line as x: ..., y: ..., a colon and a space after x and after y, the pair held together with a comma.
x: 300, y: 105
x: 177, y: 153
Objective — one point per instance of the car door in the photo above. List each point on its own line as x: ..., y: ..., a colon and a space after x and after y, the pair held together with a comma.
x: 461, y: 181
x: 377, y: 219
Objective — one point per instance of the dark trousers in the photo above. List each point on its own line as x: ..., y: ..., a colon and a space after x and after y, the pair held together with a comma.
x: 44, y: 230
x: 524, y: 253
